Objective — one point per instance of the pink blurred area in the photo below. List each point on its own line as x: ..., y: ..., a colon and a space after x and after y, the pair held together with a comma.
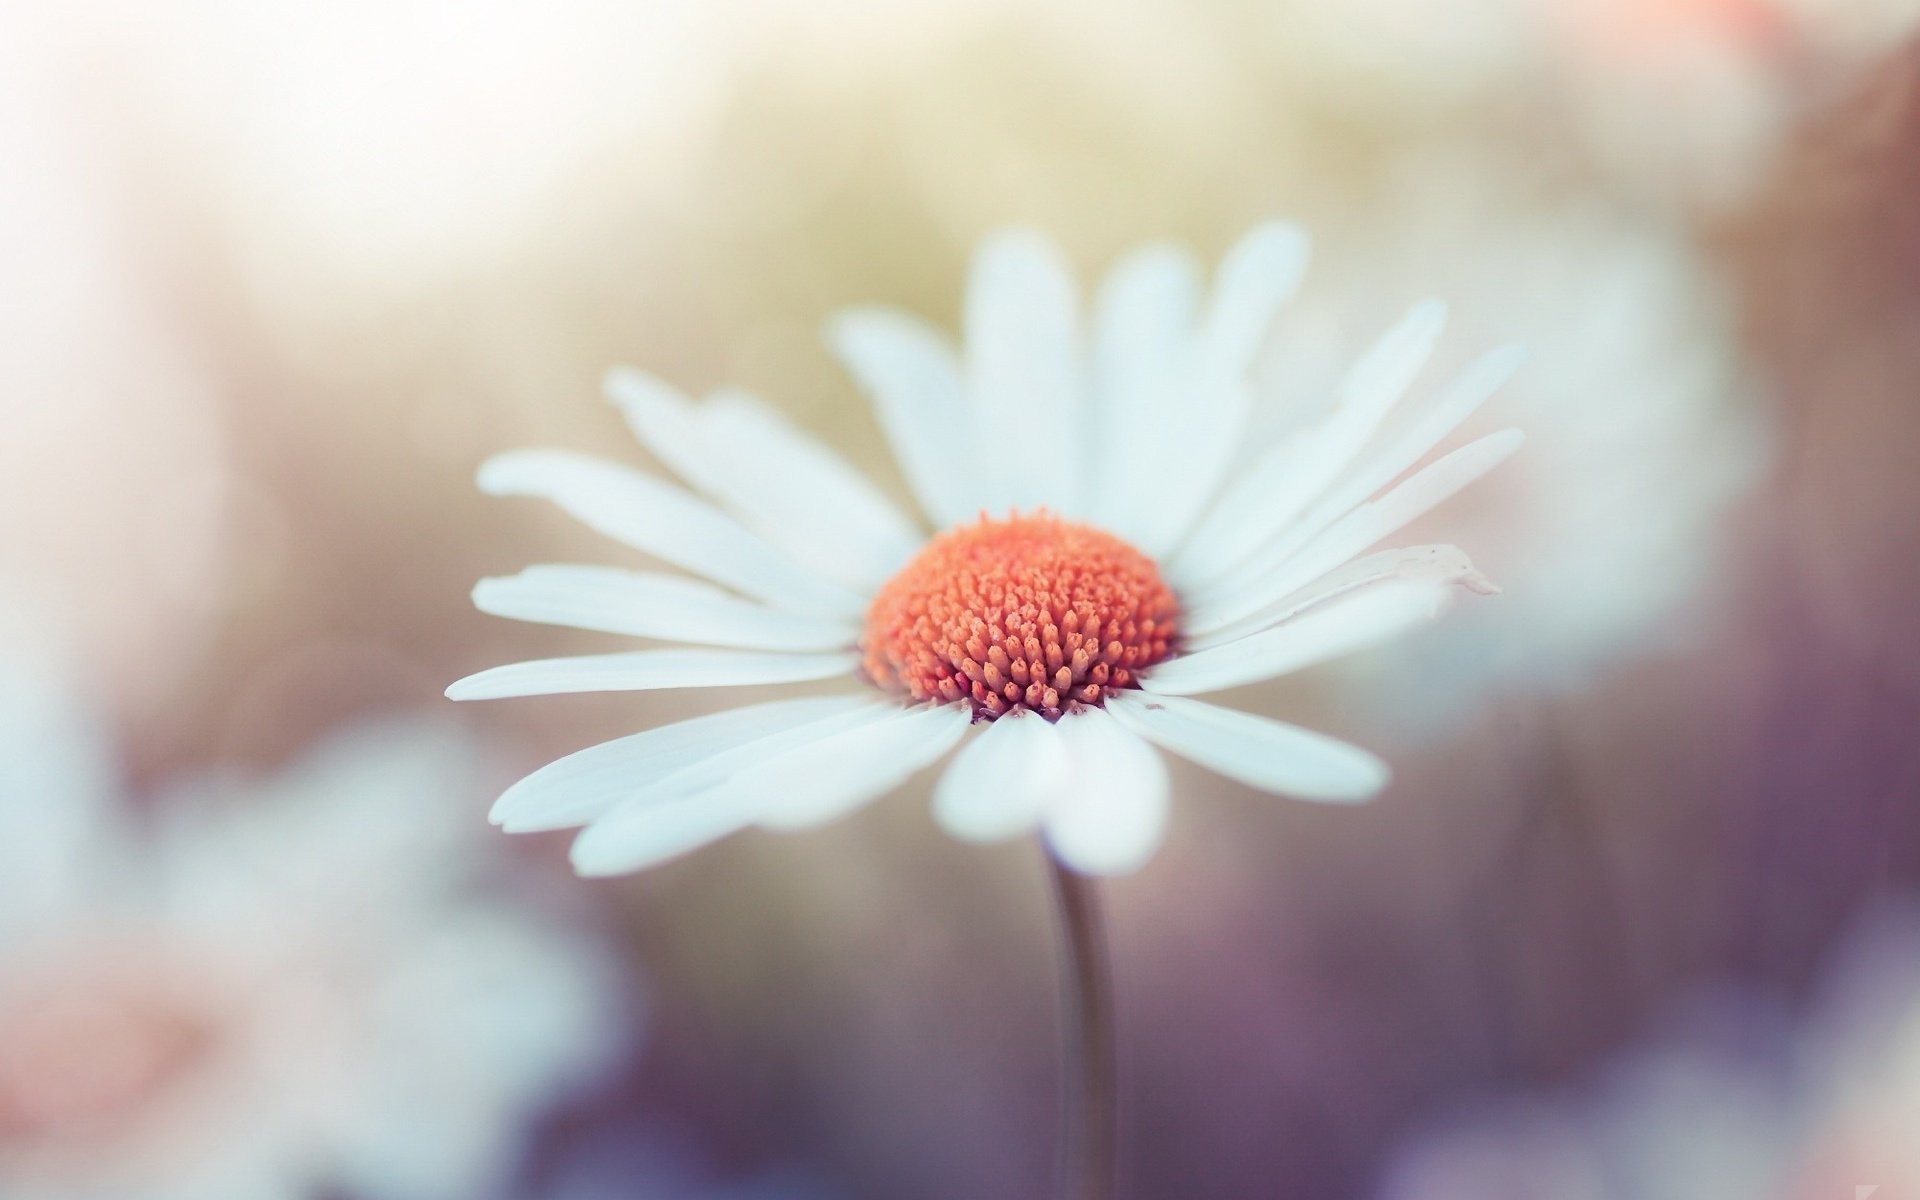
x: 274, y: 278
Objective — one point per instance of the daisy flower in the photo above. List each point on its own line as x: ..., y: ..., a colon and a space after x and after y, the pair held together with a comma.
x: 318, y: 983
x: 115, y: 473
x: 1643, y: 435
x: 1736, y: 1097
x: 1684, y: 101
x: 1102, y: 557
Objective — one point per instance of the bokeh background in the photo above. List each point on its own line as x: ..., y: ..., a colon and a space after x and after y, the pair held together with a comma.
x: 1632, y: 921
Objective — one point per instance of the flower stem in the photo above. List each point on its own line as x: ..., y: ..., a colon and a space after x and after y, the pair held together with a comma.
x: 1089, y: 1128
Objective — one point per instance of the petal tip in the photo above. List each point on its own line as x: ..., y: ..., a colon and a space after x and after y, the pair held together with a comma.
x: 642, y: 395
x: 592, y: 857
x: 1094, y: 867
x: 618, y: 378
x: 1277, y: 242
x: 472, y: 687
x: 1362, y: 795
x: 1508, y: 358
x: 1429, y: 316
x: 495, y: 476
x: 1022, y: 240
x: 1477, y: 582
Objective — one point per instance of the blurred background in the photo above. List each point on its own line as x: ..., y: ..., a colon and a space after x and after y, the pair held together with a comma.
x: 1634, y: 920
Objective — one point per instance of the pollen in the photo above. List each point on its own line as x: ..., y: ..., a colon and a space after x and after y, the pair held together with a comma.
x: 1026, y: 612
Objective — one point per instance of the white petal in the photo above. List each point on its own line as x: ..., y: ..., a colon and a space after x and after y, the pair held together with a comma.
x: 909, y: 371
x: 1412, y: 498
x: 662, y: 417
x: 1194, y: 458
x: 586, y: 784
x: 1261, y: 753
x: 646, y: 670
x: 1115, y: 815
x: 1458, y: 401
x: 663, y: 832
x: 1142, y: 351
x: 1024, y: 375
x: 694, y: 805
x: 1340, y: 627
x: 777, y: 479
x: 832, y: 776
x: 656, y: 517
x: 1256, y: 277
x: 1259, y: 501
x: 63, y: 830
x: 1439, y: 563
x: 711, y: 775
x: 1288, y: 477
x: 652, y: 605
x: 1461, y: 398
x: 1383, y: 374
x: 828, y: 488
x: 1001, y: 782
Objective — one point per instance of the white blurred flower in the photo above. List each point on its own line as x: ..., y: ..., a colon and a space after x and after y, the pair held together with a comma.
x: 1863, y: 1131
x: 114, y: 475
x: 269, y: 990
x: 1680, y: 1122
x: 1642, y: 429
x: 1700, y: 94
x: 1736, y: 1102
x: 385, y: 143
x: 388, y: 142
x: 1687, y: 98
x: 1130, y: 571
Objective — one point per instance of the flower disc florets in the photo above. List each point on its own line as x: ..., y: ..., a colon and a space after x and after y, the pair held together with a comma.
x: 1026, y: 612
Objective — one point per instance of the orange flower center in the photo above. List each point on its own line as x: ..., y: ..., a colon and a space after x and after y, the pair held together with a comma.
x: 1027, y: 612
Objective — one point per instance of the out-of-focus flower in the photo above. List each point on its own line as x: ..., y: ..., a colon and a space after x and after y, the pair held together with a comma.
x: 1736, y: 1103
x: 269, y: 990
x: 1680, y: 1122
x: 1685, y: 97
x: 1699, y: 93
x: 113, y: 471
x: 1867, y: 1097
x: 1131, y: 570
x: 381, y: 141
x: 389, y: 144
x: 1642, y: 429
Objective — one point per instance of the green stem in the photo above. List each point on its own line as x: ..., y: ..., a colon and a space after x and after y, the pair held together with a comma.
x: 1089, y: 1130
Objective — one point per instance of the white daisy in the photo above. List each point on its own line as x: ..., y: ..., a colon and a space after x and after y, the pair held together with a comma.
x: 1679, y: 1119
x: 1097, y: 566
x: 1736, y: 1097
x: 254, y: 991
x: 1643, y: 427
x: 1681, y: 100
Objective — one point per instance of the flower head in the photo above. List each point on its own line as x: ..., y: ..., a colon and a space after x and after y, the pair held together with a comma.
x: 1643, y: 435
x: 1030, y: 612
x: 256, y: 991
x: 1105, y: 549
x: 1735, y: 1096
